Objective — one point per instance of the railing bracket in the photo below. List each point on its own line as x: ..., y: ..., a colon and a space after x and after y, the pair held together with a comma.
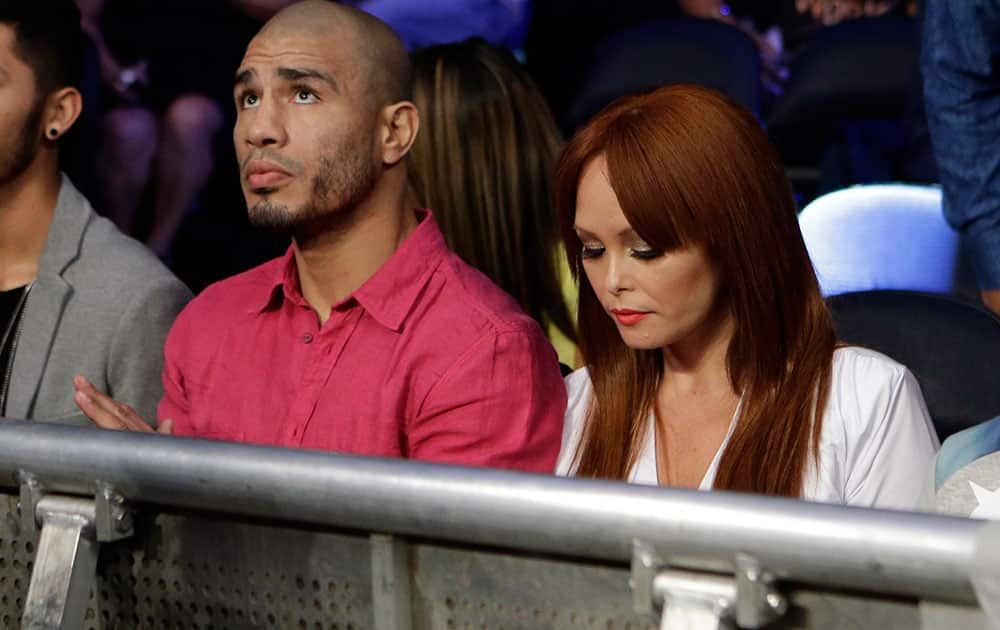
x: 114, y: 520
x: 747, y: 599
x: 69, y: 530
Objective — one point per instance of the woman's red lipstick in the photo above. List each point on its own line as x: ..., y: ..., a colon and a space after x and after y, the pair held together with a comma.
x: 628, y: 317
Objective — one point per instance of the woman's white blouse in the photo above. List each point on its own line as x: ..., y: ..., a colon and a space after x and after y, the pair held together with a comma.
x: 876, y: 447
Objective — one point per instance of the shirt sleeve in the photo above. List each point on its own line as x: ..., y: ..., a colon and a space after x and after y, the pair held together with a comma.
x: 136, y: 356
x: 499, y: 405
x: 893, y: 446
x: 175, y: 404
x: 959, y: 63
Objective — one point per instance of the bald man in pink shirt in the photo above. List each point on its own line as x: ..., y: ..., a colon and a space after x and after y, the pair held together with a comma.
x: 368, y: 336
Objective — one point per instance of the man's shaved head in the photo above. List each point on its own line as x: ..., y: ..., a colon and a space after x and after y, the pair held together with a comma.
x: 381, y: 56
x: 323, y: 118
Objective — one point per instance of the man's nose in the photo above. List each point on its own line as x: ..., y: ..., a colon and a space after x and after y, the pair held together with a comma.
x: 266, y: 125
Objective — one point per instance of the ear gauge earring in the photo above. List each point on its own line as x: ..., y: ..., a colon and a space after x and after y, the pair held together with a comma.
x: 53, y: 133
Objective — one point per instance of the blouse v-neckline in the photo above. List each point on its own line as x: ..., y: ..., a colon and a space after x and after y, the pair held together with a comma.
x: 646, y: 466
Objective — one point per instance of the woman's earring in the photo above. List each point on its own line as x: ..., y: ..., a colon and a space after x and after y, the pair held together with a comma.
x: 53, y: 133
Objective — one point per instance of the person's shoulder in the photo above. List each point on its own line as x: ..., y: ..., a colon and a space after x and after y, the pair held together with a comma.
x: 579, y: 390
x: 471, y: 302
x: 962, y: 448
x: 117, y: 262
x: 860, y: 365
x: 244, y: 292
x: 878, y: 441
x: 578, y: 395
x: 578, y: 383
x: 867, y: 388
x: 971, y: 489
x: 223, y: 307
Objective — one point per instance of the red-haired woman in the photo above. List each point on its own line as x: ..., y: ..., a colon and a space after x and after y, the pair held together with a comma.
x: 711, y: 357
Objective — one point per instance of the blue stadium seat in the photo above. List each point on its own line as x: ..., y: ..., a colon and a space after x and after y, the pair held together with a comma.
x: 880, y: 236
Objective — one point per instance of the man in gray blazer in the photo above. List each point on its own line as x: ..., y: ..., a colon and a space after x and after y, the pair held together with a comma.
x: 76, y: 295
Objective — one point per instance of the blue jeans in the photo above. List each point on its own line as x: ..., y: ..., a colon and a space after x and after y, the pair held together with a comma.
x: 960, y: 61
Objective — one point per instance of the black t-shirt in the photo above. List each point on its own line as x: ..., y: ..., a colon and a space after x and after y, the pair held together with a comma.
x: 10, y: 301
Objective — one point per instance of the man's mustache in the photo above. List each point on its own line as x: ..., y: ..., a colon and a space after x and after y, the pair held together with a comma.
x: 288, y: 164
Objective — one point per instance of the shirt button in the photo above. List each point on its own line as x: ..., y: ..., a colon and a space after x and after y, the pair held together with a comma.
x: 307, y: 338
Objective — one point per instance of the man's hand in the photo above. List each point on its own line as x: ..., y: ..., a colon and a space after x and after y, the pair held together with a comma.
x: 111, y: 414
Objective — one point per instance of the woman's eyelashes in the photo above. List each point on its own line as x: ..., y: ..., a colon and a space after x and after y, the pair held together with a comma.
x: 643, y: 252
x: 591, y: 251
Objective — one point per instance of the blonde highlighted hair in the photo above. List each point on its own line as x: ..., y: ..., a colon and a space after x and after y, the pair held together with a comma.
x: 484, y: 161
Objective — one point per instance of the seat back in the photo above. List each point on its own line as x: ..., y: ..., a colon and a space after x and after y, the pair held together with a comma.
x: 951, y: 346
x: 703, y: 52
x: 859, y: 69
x: 880, y: 236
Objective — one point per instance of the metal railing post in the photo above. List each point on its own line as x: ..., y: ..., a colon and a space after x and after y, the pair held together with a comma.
x: 69, y: 530
x: 65, y: 565
x: 391, y: 600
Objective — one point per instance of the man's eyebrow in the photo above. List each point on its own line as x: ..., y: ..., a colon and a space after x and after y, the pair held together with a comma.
x: 244, y: 77
x: 298, y: 74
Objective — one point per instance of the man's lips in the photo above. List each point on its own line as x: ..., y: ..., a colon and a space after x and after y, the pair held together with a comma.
x: 261, y: 174
x: 628, y: 317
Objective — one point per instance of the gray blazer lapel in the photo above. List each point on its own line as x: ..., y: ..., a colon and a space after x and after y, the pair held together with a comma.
x: 47, y: 299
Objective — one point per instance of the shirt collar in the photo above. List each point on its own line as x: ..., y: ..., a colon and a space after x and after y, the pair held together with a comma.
x: 389, y: 295
x: 282, y: 284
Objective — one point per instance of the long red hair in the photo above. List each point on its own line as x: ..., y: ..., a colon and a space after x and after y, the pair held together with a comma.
x: 691, y: 167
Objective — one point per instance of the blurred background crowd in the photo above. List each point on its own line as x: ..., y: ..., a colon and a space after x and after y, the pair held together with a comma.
x: 836, y: 84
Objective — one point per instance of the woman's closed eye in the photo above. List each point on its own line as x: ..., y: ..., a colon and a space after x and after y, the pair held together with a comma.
x: 592, y: 251
x: 640, y: 253
x: 645, y: 253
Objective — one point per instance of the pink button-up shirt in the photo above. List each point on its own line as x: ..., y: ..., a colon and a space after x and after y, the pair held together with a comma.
x: 428, y: 360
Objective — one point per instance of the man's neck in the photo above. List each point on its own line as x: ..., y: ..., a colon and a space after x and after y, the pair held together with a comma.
x: 27, y: 205
x: 334, y: 264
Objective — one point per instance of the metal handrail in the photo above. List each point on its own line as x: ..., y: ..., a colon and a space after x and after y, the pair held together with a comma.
x: 880, y: 551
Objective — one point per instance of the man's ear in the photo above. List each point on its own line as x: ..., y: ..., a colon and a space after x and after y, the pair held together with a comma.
x: 400, y: 122
x: 62, y: 108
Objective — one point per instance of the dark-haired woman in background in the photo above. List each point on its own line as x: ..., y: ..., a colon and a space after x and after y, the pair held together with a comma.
x: 711, y: 356
x: 483, y: 161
